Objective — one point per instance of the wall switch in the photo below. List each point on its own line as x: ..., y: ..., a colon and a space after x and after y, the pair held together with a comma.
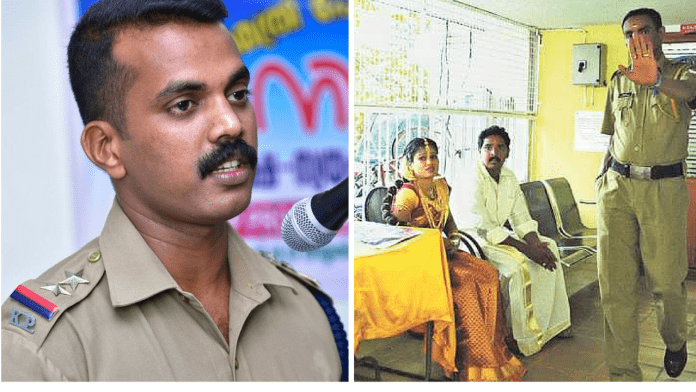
x: 589, y: 64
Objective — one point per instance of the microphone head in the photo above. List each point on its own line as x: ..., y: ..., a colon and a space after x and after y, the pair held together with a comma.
x: 301, y: 231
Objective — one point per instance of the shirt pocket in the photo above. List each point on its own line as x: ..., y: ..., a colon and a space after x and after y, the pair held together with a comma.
x: 665, y: 107
x: 622, y: 108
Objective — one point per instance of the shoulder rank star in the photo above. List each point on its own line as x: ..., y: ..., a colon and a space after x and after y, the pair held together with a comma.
x: 55, y: 289
x: 74, y: 279
x: 271, y: 256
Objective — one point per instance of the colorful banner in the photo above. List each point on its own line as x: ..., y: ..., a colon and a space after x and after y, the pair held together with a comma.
x: 297, y: 53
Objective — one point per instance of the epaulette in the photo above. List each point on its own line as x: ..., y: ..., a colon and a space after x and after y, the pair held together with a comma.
x: 287, y: 268
x: 326, y: 303
x: 36, y: 305
x: 616, y: 74
x: 683, y: 69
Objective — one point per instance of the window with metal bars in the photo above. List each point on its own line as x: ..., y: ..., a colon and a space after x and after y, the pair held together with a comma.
x: 439, y: 69
x: 686, y: 52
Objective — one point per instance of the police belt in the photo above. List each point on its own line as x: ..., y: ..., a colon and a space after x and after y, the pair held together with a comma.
x: 647, y: 172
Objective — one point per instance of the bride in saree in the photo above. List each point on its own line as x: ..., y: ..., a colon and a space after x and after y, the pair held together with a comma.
x: 423, y: 201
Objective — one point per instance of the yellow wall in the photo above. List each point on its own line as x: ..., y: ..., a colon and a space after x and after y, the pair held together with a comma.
x: 552, y: 152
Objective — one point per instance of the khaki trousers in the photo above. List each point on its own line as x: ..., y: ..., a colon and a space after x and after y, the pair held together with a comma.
x: 640, y: 221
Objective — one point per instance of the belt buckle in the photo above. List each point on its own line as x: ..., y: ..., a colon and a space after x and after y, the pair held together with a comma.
x: 639, y: 172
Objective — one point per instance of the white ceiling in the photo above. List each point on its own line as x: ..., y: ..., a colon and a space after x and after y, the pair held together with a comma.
x: 561, y: 14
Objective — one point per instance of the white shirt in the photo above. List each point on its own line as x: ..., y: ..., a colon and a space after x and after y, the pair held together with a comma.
x: 478, y: 202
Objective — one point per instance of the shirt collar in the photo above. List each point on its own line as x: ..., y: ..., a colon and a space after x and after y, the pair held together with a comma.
x: 249, y: 269
x: 666, y: 66
x: 134, y: 272
x: 661, y: 63
x: 483, y: 172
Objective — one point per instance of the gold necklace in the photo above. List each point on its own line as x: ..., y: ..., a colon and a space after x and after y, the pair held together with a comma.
x: 432, y: 195
x: 439, y: 204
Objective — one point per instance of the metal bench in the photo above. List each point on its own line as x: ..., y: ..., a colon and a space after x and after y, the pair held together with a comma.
x: 566, y: 210
x: 578, y: 252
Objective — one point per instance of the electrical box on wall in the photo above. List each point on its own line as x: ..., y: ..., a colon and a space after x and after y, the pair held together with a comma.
x: 589, y: 64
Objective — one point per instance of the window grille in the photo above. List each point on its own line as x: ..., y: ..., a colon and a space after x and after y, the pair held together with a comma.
x: 439, y: 69
x: 686, y: 51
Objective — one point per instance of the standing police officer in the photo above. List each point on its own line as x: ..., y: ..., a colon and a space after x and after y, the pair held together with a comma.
x: 642, y: 197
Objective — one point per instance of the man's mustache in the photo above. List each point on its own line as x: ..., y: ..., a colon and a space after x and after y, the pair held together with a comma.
x: 494, y: 159
x: 224, y: 151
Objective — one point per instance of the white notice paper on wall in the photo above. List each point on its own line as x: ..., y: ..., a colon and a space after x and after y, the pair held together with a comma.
x: 588, y: 136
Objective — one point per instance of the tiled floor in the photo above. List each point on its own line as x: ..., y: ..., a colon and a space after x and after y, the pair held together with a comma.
x: 580, y: 358
x: 575, y: 359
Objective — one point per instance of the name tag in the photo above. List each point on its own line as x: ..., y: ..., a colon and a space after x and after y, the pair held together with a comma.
x: 625, y: 95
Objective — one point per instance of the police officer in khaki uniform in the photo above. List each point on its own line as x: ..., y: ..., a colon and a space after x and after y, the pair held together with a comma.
x: 168, y: 291
x: 642, y: 197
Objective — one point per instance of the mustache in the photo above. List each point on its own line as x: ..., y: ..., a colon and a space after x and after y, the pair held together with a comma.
x: 494, y: 159
x: 224, y: 151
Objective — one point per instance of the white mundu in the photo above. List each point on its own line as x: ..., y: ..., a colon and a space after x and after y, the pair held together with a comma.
x: 536, y: 302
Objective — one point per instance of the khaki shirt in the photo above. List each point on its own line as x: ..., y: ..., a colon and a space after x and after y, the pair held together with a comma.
x: 648, y: 129
x: 132, y: 322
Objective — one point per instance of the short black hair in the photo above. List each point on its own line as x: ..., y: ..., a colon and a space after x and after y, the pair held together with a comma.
x: 649, y: 12
x: 491, y: 131
x: 416, y: 144
x: 98, y: 81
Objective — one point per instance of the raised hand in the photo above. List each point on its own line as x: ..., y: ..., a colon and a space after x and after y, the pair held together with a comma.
x: 644, y: 71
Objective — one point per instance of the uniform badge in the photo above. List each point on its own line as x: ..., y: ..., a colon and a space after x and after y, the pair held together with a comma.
x: 35, y: 302
x: 74, y: 279
x: 271, y: 256
x: 25, y: 322
x: 268, y: 255
x: 55, y: 289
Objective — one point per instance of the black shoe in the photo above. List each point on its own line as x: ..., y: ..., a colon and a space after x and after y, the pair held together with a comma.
x: 675, y: 361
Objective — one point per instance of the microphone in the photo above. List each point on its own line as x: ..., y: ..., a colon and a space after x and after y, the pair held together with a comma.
x: 313, y: 222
